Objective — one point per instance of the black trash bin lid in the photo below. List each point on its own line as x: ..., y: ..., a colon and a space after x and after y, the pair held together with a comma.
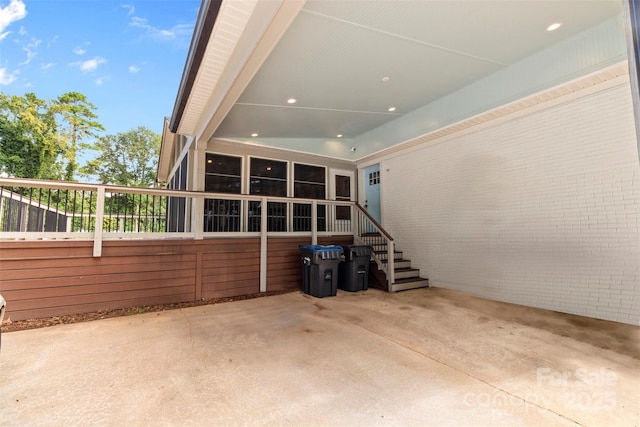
x: 321, y: 248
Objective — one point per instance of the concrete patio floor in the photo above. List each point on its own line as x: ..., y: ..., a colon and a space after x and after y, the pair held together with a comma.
x: 423, y: 357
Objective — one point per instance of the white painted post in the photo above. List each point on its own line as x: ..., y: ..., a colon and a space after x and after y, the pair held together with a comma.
x: 197, y: 217
x: 23, y: 216
x: 97, y: 234
x: 314, y: 223
x: 263, y: 245
x: 355, y: 223
x: 391, y: 277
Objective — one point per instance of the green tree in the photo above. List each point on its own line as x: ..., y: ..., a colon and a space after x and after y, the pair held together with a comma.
x: 128, y: 158
x: 29, y: 145
x: 78, y: 123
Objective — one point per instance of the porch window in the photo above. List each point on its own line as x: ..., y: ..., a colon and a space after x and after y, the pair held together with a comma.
x: 223, y: 174
x: 268, y: 178
x: 309, y: 182
x: 343, y: 193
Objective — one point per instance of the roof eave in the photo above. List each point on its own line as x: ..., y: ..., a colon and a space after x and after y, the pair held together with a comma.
x: 201, y: 34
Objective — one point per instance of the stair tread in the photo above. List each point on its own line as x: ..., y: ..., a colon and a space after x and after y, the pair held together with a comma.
x: 410, y: 280
x: 405, y: 269
x: 407, y: 284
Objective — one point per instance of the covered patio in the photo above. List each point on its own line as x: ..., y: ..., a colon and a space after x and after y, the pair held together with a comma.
x: 422, y: 357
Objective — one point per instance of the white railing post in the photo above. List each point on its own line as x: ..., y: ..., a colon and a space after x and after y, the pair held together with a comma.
x: 197, y: 217
x: 263, y: 245
x: 314, y: 223
x: 390, y: 264
x: 355, y: 222
x: 97, y: 234
x: 23, y: 215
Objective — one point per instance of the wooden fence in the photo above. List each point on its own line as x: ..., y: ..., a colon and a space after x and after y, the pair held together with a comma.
x: 59, y: 277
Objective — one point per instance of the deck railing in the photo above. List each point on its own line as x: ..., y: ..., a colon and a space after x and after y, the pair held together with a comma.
x: 35, y: 209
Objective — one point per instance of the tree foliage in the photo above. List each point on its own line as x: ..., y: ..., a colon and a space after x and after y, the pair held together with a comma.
x: 128, y: 158
x: 78, y: 123
x: 41, y: 139
x: 29, y: 145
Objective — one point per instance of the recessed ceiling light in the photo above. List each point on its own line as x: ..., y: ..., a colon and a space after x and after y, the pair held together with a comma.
x: 339, y: 135
x: 209, y: 161
x: 254, y: 135
x: 386, y: 79
x: 268, y: 168
x: 391, y: 109
x: 554, y: 26
x: 291, y: 101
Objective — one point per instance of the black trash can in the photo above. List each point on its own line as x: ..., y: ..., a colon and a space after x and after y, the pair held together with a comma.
x: 320, y: 269
x: 353, y: 273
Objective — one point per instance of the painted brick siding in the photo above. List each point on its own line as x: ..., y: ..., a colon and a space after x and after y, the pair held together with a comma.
x: 541, y: 210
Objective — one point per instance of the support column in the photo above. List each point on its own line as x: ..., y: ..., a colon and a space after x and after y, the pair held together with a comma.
x: 197, y: 166
x: 97, y: 234
x: 314, y: 223
x: 263, y: 245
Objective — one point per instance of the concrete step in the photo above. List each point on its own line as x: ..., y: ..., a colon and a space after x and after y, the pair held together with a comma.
x: 406, y: 284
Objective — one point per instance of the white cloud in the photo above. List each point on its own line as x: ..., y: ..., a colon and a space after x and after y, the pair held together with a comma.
x: 22, y: 31
x: 130, y: 9
x: 133, y: 69
x: 31, y: 50
x: 15, y: 11
x: 91, y: 64
x: 5, y: 34
x: 46, y: 66
x: 6, y: 78
x: 52, y: 41
x: 177, y: 31
x: 79, y: 51
x: 30, y: 55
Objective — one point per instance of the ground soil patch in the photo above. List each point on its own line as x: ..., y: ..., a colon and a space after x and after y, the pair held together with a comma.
x: 10, y: 326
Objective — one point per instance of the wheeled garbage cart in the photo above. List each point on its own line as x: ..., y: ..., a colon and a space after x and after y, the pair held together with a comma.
x: 353, y: 273
x: 320, y: 269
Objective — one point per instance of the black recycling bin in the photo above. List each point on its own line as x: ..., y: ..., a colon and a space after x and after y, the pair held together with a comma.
x: 353, y: 273
x: 320, y: 269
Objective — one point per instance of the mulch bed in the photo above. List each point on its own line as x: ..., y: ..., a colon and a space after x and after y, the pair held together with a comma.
x: 21, y: 325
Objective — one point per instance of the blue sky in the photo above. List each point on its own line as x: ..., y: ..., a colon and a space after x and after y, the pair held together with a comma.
x: 127, y: 57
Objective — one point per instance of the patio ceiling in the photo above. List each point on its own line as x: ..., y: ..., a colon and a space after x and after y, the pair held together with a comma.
x: 347, y: 63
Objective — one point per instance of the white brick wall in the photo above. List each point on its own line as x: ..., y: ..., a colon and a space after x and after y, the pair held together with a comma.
x: 541, y: 210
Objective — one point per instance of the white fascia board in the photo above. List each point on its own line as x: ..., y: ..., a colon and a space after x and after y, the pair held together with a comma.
x: 166, y: 149
x: 230, y: 23
x: 243, y: 38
